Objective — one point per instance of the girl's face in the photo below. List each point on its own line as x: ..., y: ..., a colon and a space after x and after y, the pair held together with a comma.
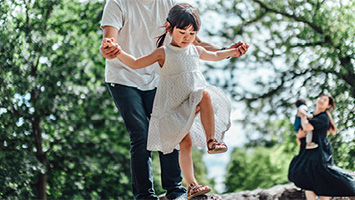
x: 323, y: 102
x: 183, y: 37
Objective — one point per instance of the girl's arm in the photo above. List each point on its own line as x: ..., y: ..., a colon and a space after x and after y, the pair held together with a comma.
x: 144, y: 61
x: 222, y: 54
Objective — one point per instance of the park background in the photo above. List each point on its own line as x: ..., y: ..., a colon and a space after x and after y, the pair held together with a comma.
x: 61, y: 136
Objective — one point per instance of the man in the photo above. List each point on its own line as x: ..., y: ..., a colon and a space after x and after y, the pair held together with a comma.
x: 135, y: 26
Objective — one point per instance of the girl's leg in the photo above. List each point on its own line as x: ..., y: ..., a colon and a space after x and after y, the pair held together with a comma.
x: 207, y: 115
x: 310, y: 195
x: 309, y: 143
x: 207, y: 119
x: 185, y: 159
x: 309, y: 136
x: 324, y: 198
x: 187, y: 168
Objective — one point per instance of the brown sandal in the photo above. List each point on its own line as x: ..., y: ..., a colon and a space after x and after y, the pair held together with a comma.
x: 214, y: 150
x: 193, y: 190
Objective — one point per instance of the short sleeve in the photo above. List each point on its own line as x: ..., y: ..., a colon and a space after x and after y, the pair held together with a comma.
x: 303, y: 107
x: 320, y: 121
x: 112, y: 15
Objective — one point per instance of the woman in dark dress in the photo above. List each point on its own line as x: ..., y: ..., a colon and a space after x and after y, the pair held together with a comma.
x: 314, y: 169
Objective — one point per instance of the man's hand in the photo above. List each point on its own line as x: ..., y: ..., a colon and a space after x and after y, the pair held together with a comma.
x: 109, y: 49
x: 240, y: 47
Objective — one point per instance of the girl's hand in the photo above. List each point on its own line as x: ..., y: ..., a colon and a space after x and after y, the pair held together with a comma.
x: 301, y: 134
x: 109, y: 49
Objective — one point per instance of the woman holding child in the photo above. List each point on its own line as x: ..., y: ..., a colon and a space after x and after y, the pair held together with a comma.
x: 314, y: 169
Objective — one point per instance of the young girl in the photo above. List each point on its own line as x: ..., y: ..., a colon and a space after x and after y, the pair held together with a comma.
x: 186, y: 110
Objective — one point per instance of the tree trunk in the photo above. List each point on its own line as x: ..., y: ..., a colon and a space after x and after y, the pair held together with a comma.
x: 41, y: 186
x: 42, y: 177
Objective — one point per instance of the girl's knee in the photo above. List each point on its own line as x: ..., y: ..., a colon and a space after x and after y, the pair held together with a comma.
x: 205, y: 96
x: 186, y: 142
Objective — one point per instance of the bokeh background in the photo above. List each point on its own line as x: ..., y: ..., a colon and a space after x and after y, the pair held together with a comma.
x: 61, y: 136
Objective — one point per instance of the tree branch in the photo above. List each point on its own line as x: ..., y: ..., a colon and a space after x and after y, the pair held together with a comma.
x: 307, y: 44
x: 297, y: 18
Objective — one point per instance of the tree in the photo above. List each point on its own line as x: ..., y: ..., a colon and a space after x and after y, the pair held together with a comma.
x: 59, y: 133
x: 265, y: 164
x: 60, y: 137
x: 298, y: 49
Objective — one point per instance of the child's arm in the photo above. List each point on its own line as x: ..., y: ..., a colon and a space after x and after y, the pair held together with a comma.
x: 144, y: 61
x: 223, y: 54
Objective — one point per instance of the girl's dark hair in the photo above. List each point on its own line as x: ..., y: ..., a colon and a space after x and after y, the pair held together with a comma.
x: 181, y: 16
x: 332, y: 128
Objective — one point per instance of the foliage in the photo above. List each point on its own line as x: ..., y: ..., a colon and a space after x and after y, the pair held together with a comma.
x: 262, y: 166
x: 60, y: 136
x: 298, y: 49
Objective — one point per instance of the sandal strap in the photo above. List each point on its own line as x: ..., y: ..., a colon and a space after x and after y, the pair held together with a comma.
x: 192, y: 188
x: 213, y: 145
x: 192, y: 185
x: 215, y: 142
x: 211, y: 140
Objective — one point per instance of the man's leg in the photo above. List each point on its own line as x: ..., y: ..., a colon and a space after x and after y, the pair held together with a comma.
x: 130, y: 104
x: 171, y: 176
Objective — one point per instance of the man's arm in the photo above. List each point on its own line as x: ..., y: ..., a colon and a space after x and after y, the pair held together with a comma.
x: 221, y: 54
x: 112, y: 51
x: 207, y: 46
x: 211, y: 47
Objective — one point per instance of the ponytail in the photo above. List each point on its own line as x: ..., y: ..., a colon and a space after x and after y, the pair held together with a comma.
x: 161, y: 40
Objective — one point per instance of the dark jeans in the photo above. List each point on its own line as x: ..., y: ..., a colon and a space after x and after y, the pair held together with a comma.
x: 135, y: 107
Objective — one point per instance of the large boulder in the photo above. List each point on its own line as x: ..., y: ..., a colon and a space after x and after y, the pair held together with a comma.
x: 278, y: 192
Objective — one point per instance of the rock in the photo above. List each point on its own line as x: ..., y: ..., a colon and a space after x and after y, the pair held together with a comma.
x: 278, y: 192
x: 202, y: 197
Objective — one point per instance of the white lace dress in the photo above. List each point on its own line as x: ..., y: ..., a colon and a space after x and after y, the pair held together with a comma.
x: 179, y: 91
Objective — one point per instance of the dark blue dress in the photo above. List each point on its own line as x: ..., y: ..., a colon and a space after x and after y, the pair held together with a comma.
x: 314, y: 169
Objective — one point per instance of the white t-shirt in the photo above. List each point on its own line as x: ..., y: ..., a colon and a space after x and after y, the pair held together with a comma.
x: 140, y: 23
